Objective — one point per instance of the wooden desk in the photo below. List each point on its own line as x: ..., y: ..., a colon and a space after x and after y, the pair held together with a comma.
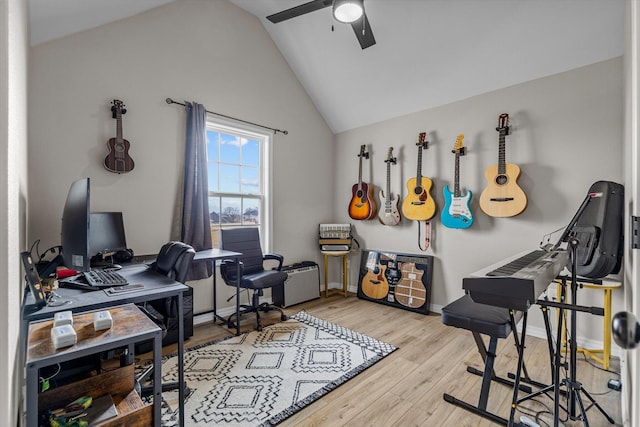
x: 130, y: 326
x: 218, y: 254
x: 156, y: 286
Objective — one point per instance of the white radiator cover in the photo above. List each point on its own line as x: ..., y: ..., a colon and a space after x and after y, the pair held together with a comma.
x: 303, y: 284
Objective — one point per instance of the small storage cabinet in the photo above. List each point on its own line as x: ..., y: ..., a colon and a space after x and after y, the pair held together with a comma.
x: 130, y: 326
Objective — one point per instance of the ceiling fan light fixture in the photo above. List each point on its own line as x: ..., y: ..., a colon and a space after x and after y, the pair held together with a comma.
x: 348, y: 11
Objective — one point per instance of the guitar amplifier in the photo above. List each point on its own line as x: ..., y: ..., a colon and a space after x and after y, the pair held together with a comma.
x: 334, y: 237
x: 303, y: 284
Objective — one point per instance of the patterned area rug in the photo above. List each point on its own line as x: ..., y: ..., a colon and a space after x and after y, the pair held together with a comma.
x: 261, y: 378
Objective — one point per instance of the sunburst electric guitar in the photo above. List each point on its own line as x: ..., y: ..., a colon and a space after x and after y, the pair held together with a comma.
x: 362, y: 204
x: 456, y: 212
x: 389, y: 214
x: 118, y: 159
x: 419, y: 205
x: 502, y: 197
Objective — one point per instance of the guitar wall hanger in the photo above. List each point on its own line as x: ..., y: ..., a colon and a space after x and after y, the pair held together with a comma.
x: 114, y: 110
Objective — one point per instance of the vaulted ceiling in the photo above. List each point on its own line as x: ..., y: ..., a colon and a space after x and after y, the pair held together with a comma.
x: 427, y: 52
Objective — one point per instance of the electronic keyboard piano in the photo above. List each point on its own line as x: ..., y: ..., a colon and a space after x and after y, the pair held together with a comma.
x: 518, y: 281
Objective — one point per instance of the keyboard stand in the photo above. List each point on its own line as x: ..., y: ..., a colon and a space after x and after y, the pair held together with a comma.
x: 572, y: 387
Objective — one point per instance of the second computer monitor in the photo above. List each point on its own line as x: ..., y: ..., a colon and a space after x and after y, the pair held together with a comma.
x: 106, y: 233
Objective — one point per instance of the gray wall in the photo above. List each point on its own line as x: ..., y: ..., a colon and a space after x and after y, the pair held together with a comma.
x: 13, y: 196
x: 209, y: 52
x: 566, y: 134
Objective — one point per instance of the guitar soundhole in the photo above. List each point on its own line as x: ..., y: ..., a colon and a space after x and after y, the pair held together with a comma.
x: 501, y: 179
x: 119, y: 148
x: 359, y: 193
x: 418, y: 190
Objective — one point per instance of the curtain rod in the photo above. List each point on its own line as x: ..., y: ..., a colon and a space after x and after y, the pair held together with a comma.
x: 286, y: 132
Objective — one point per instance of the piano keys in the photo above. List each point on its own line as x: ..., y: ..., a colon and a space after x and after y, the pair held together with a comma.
x: 518, y: 281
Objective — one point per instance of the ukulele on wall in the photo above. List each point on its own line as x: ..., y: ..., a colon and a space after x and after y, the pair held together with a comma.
x: 390, y: 214
x: 419, y: 205
x: 362, y: 204
x: 118, y: 159
x: 502, y: 197
x: 456, y: 212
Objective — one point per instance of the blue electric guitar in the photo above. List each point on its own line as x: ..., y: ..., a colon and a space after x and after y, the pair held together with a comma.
x: 456, y: 212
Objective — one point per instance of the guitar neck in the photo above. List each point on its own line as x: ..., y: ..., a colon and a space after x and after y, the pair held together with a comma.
x: 419, y: 173
x: 388, y: 193
x: 501, y: 152
x: 456, y: 185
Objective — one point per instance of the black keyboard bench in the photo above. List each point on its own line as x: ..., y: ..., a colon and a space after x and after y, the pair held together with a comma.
x: 481, y: 319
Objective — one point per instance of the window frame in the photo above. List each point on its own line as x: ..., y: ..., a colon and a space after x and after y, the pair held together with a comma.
x: 264, y: 196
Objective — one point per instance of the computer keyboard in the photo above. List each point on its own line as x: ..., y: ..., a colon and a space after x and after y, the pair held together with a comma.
x: 104, y: 278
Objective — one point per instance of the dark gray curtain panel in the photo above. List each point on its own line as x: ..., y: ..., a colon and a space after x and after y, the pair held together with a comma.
x: 196, y: 227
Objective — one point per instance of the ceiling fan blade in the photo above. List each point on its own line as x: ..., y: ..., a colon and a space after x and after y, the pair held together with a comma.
x: 299, y: 10
x: 365, y: 37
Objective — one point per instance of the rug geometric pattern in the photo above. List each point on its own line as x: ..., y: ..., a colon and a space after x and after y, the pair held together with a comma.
x: 261, y: 378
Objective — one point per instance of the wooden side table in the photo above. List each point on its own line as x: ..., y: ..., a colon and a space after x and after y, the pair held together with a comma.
x: 130, y: 326
x: 607, y: 286
x: 345, y: 271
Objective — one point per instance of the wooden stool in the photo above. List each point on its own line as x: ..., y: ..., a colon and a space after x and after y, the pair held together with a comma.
x: 607, y: 287
x: 345, y: 272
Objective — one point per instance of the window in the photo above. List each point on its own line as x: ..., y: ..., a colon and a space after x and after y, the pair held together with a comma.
x: 238, y: 179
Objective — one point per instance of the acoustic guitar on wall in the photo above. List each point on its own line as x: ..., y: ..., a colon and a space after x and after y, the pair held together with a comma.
x: 118, y: 159
x: 389, y: 214
x: 502, y: 197
x: 419, y: 205
x: 456, y: 212
x: 362, y: 205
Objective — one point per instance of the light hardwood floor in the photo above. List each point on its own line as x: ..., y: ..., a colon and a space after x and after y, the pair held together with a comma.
x: 406, y: 388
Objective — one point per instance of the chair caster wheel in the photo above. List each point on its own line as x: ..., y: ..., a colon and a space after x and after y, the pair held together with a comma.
x: 283, y: 317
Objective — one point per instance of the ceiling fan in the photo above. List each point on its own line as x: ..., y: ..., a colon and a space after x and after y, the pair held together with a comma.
x: 347, y: 11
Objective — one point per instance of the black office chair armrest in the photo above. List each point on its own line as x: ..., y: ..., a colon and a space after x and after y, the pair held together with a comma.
x: 228, y: 269
x: 276, y: 257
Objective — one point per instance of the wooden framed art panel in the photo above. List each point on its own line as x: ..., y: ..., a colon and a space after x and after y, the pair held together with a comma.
x: 396, y: 279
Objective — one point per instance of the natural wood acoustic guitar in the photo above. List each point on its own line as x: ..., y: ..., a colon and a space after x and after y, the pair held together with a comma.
x: 419, y: 205
x: 502, y: 197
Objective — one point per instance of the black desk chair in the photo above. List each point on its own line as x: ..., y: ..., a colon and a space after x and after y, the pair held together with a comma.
x: 173, y: 261
x: 252, y: 273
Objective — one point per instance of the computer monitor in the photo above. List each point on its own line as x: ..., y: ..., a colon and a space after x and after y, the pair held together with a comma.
x: 76, y: 217
x: 106, y: 234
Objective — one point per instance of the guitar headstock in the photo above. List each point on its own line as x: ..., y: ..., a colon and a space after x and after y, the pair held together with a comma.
x: 117, y: 107
x: 363, y: 152
x: 459, y: 148
x: 390, y: 158
x: 503, y: 124
x: 422, y: 140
